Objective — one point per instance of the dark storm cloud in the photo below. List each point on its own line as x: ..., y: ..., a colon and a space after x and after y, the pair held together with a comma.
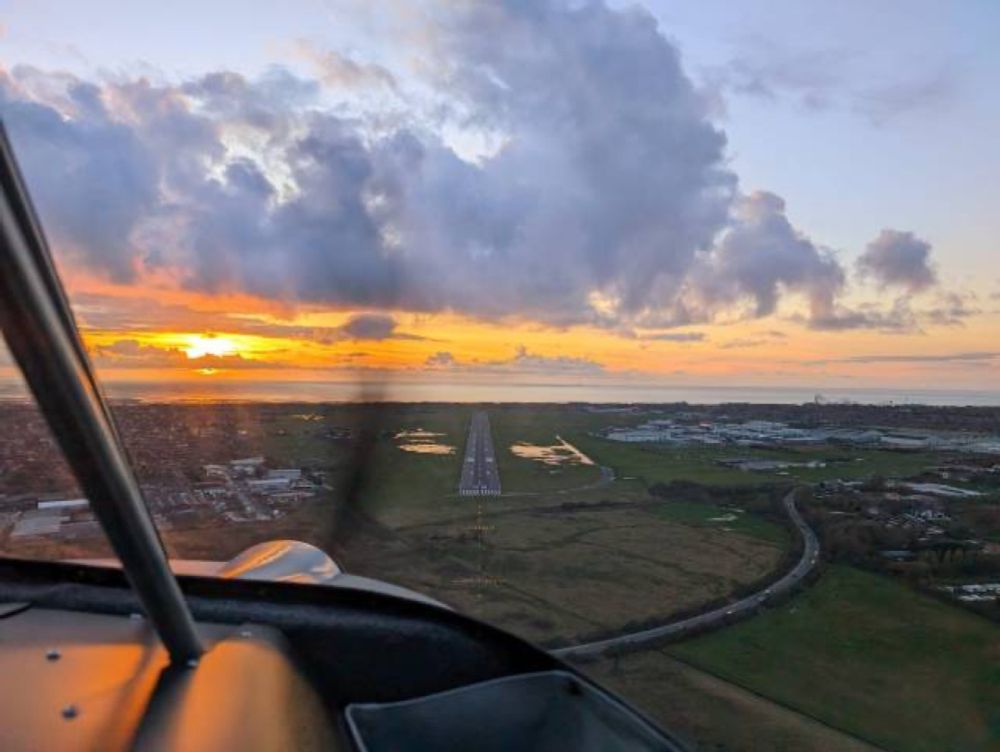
x: 898, y: 259
x: 608, y: 200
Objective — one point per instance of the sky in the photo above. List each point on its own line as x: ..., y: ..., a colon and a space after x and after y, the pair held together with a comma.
x: 766, y: 193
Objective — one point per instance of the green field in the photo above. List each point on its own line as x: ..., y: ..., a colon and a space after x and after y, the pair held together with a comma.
x: 711, y: 714
x: 406, y: 488
x: 538, y: 426
x: 553, y: 572
x: 662, y: 463
x: 868, y: 655
x: 399, y: 487
x: 711, y: 516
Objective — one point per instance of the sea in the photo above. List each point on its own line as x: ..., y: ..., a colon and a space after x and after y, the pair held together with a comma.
x: 486, y: 392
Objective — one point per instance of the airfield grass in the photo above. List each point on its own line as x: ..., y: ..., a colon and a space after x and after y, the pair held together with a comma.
x: 538, y: 426
x: 662, y: 463
x: 555, y: 573
x: 868, y: 655
x: 405, y: 488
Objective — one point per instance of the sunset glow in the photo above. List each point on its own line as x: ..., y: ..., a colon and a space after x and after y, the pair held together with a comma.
x: 343, y: 218
x: 199, y: 346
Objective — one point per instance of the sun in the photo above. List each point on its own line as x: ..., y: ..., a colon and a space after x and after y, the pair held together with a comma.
x: 200, y: 345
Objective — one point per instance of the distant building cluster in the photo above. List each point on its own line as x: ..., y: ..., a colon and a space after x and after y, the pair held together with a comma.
x: 974, y: 592
x: 179, y: 457
x: 70, y: 518
x: 765, y: 433
x: 234, y: 487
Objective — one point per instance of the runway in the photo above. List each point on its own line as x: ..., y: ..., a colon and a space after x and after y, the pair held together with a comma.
x: 480, y: 476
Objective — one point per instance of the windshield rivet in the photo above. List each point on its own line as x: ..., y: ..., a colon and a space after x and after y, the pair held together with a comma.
x: 52, y: 654
x: 70, y: 712
x: 135, y: 616
x: 246, y: 633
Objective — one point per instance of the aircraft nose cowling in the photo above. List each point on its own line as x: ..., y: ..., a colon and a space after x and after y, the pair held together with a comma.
x: 282, y: 561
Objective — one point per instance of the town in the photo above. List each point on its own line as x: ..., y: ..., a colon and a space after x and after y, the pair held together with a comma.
x: 576, y: 524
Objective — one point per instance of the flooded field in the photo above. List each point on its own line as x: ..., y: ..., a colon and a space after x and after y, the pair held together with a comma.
x: 562, y: 453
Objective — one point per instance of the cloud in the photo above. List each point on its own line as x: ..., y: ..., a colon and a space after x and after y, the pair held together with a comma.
x: 101, y: 312
x: 675, y: 337
x: 522, y: 362
x: 761, y: 338
x: 526, y: 361
x: 881, y: 104
x: 897, y: 319
x: 608, y: 182
x: 341, y: 71
x: 813, y: 78
x: 952, y: 309
x: 607, y: 199
x: 129, y: 353
x: 743, y: 342
x: 823, y: 79
x: 758, y: 258
x: 93, y: 176
x: 373, y: 326
x: 962, y: 357
x: 898, y: 259
x: 440, y: 359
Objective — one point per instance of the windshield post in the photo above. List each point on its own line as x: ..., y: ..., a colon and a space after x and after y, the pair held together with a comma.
x: 42, y: 336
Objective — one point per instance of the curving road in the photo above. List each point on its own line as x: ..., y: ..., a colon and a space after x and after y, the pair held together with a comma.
x: 742, y: 607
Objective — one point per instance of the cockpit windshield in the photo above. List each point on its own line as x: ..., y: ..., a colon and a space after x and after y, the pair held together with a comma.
x: 658, y: 336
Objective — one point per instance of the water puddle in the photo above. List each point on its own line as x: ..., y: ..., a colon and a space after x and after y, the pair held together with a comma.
x: 562, y: 453
x: 421, y: 441
x: 724, y: 518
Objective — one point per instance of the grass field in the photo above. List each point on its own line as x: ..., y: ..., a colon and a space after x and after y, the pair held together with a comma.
x: 661, y: 463
x: 868, y: 655
x: 537, y: 426
x: 408, y: 488
x: 720, y: 518
x: 713, y: 715
x: 553, y: 572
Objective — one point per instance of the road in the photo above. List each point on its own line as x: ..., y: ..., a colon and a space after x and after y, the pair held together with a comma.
x: 480, y: 476
x: 742, y: 607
